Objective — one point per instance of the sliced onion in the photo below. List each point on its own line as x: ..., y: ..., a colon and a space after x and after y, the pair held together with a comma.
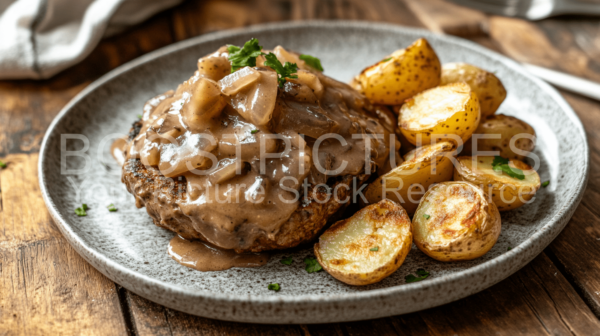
x: 311, y: 80
x: 239, y: 80
x: 191, y: 152
x: 226, y: 170
x: 256, y: 101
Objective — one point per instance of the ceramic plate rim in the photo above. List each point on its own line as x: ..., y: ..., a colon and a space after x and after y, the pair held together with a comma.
x: 564, y: 213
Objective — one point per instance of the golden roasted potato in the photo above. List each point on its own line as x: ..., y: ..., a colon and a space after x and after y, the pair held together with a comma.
x: 406, y: 146
x: 456, y: 222
x: 440, y: 112
x: 407, y: 183
x: 367, y: 247
x: 485, y: 84
x: 506, y: 192
x: 506, y: 127
x: 401, y: 75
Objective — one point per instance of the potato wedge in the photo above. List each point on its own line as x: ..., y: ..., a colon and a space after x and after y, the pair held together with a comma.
x: 505, y: 191
x: 456, y: 222
x: 486, y: 85
x: 506, y: 127
x: 407, y: 183
x: 401, y: 75
x: 367, y: 247
x: 452, y: 109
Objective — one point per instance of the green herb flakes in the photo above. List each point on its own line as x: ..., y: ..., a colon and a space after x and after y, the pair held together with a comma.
x: 254, y: 131
x: 421, y: 275
x: 374, y: 249
x: 286, y: 260
x: 81, y: 210
x: 545, y: 184
x: 426, y: 216
x: 312, y: 265
x: 245, y: 56
x: 500, y: 165
x: 2, y: 165
x: 284, y: 71
x: 112, y: 208
x: 312, y: 61
x: 274, y: 287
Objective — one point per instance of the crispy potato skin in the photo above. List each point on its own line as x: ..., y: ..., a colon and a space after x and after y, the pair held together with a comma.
x: 344, y: 250
x: 417, y: 169
x: 462, y: 224
x: 507, y: 127
x: 506, y: 192
x: 439, y: 113
x: 485, y: 84
x: 401, y: 75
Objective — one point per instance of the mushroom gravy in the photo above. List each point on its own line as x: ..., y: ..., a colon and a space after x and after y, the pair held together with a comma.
x: 245, y: 146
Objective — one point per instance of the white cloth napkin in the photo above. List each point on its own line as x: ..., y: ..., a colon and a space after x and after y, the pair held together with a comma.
x: 39, y: 38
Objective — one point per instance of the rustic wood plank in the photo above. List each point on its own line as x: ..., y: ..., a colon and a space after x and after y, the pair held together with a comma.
x: 537, y: 300
x: 153, y: 319
x: 45, y: 286
x: 577, y: 248
x: 565, y: 45
x: 444, y: 17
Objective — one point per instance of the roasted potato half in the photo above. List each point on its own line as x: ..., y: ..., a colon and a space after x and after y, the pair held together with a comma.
x: 503, y: 128
x: 485, y: 84
x: 367, y: 247
x: 506, y: 192
x: 401, y: 75
x: 407, y: 183
x: 456, y: 222
x: 451, y: 109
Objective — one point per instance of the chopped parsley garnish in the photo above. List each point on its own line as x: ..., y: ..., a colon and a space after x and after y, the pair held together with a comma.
x: 286, y: 260
x: 422, y: 275
x: 312, y: 265
x: 254, y: 131
x: 387, y: 59
x: 375, y: 249
x: 500, y: 165
x: 2, y: 165
x: 509, y: 248
x: 426, y: 216
x: 284, y: 71
x: 312, y: 61
x: 140, y: 116
x: 111, y: 207
x: 244, y: 56
x: 545, y: 184
x: 81, y: 210
x: 274, y: 287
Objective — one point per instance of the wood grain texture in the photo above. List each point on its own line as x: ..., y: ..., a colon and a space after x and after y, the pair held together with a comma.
x: 45, y: 286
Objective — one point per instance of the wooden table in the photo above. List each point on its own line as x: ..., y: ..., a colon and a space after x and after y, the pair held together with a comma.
x: 47, y: 288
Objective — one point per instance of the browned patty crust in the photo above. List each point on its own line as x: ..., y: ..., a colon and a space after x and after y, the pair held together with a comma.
x: 161, y: 197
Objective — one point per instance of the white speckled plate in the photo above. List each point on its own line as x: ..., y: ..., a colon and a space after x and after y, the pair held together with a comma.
x: 129, y: 249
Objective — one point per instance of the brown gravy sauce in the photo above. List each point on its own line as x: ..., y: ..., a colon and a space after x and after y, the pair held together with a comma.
x: 204, y: 257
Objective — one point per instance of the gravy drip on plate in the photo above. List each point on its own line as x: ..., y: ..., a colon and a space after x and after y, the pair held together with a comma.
x: 194, y: 133
x: 205, y: 257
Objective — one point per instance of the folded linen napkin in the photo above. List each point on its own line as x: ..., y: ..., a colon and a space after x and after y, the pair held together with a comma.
x: 39, y: 38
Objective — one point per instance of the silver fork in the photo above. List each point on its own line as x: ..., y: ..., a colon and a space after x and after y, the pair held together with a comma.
x: 533, y: 9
